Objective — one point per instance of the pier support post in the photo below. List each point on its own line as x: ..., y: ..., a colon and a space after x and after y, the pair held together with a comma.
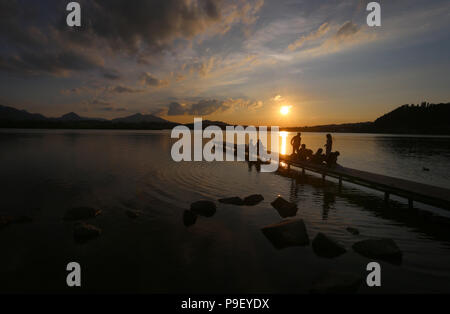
x: 303, y: 171
x: 323, y: 176
x: 410, y: 203
x: 386, y: 197
x: 340, y: 182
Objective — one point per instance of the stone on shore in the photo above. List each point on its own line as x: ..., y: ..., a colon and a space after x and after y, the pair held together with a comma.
x: 189, y: 218
x: 7, y: 220
x: 84, y: 232
x: 325, y: 246
x: 204, y: 208
x: 80, y: 213
x: 352, y: 230
x: 383, y: 249
x: 133, y: 214
x: 333, y: 282
x: 253, y: 199
x: 291, y: 232
x: 232, y: 200
x: 284, y: 208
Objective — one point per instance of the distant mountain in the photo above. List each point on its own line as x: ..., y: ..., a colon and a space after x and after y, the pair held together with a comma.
x: 12, y: 114
x: 72, y: 116
x: 407, y: 119
x: 140, y: 118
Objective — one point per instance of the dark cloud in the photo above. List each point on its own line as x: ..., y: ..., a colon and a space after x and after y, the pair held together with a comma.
x: 111, y: 74
x: 347, y: 29
x: 125, y: 90
x: 33, y: 34
x: 148, y: 79
x: 112, y: 108
x: 55, y: 63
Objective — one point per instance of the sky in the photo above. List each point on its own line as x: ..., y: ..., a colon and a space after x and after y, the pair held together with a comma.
x: 237, y: 61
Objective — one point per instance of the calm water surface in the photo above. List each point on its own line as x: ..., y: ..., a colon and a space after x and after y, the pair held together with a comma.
x: 44, y: 173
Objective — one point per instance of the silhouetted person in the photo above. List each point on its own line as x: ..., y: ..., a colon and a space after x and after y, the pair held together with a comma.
x: 318, y: 157
x: 296, y: 142
x: 331, y: 159
x: 329, y: 144
x: 302, y: 153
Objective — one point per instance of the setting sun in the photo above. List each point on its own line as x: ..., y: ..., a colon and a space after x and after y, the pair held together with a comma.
x: 284, y: 110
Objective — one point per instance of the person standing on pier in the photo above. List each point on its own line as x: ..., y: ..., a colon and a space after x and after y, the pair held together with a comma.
x: 296, y: 141
x: 328, y: 145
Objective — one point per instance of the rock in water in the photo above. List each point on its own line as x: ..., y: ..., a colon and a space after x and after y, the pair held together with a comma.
x: 352, y: 230
x: 22, y: 220
x: 84, y: 232
x: 204, y: 208
x: 325, y: 246
x: 80, y: 213
x: 284, y: 208
x: 4, y: 221
x: 337, y: 283
x: 291, y: 232
x: 253, y: 199
x: 383, y: 249
x: 189, y: 218
x: 232, y: 200
x: 133, y: 214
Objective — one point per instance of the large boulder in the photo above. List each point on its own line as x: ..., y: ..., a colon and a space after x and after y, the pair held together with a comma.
x: 383, y: 249
x: 189, y: 218
x: 84, y: 232
x: 333, y: 282
x: 253, y: 199
x: 291, y: 232
x: 284, y: 208
x: 236, y: 200
x: 324, y: 246
x: 204, y: 208
x: 81, y: 213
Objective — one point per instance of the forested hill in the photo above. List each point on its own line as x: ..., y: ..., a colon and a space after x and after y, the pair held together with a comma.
x: 423, y: 118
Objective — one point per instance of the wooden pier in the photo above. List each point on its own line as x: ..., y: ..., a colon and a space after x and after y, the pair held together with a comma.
x: 412, y: 191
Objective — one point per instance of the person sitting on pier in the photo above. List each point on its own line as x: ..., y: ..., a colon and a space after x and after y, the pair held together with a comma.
x: 329, y: 144
x: 303, y: 153
x: 318, y: 157
x: 331, y: 159
x: 295, y: 142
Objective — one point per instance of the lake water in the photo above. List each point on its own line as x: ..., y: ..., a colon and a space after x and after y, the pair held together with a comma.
x: 44, y: 173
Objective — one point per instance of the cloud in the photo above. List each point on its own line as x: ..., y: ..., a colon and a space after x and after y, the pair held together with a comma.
x: 347, y: 30
x: 210, y: 106
x: 111, y: 74
x: 148, y: 79
x: 277, y: 98
x: 59, y: 63
x: 143, y: 30
x: 318, y: 33
x: 120, y: 89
